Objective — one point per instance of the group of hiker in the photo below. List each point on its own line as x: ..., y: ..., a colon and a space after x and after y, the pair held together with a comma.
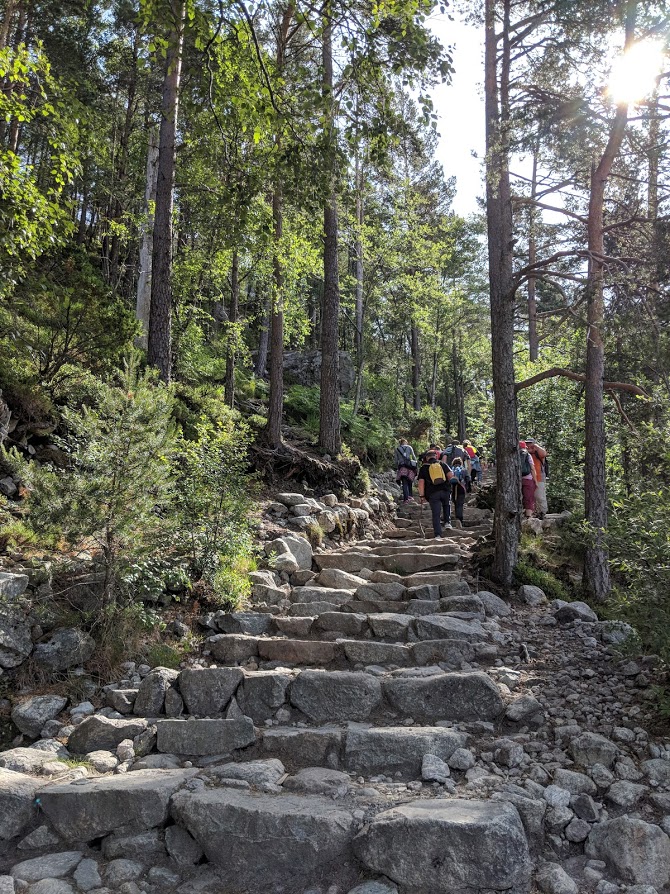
x: 443, y: 476
x: 446, y: 476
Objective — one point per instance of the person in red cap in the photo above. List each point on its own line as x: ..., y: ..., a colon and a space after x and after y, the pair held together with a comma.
x: 528, y: 480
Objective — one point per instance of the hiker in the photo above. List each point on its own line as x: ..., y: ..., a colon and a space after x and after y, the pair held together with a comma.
x: 406, y: 468
x: 451, y: 451
x: 475, y: 467
x: 434, y: 487
x: 528, y: 480
x: 459, y: 487
x: 539, y: 456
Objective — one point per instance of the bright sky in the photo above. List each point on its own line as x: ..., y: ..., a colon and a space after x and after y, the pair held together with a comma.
x: 460, y: 107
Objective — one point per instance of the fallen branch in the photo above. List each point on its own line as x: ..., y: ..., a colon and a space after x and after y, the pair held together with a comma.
x: 556, y: 371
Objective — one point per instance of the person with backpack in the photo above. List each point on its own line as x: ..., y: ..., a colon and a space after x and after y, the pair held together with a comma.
x: 475, y: 468
x: 459, y: 487
x: 434, y: 487
x: 528, y: 480
x: 541, y: 462
x: 406, y: 468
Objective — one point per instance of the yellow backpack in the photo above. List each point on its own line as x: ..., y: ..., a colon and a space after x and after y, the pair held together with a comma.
x: 436, y: 472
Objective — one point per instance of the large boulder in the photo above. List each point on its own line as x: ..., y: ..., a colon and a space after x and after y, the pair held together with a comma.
x: 304, y: 368
x: 207, y: 691
x: 299, y: 547
x: 150, y: 699
x: 446, y: 847
x: 98, y: 733
x: 130, y: 802
x: 336, y: 695
x: 268, y: 843
x: 252, y: 623
x: 638, y: 852
x: 31, y: 715
x: 590, y: 748
x: 393, y: 749
x: 468, y: 696
x: 65, y: 648
x: 202, y: 737
x: 17, y: 802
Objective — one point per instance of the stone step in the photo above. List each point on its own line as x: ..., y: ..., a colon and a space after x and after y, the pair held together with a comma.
x: 285, y: 839
x: 400, y: 562
x: 228, y: 706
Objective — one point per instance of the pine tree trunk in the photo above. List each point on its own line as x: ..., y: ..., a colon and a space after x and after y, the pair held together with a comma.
x: 596, y: 559
x: 507, y: 519
x: 260, y: 369
x: 229, y: 387
x: 329, y: 407
x: 459, y: 400
x: 272, y: 431
x: 359, y: 308
x: 143, y: 301
x: 160, y: 317
x: 533, y: 341
x: 416, y: 367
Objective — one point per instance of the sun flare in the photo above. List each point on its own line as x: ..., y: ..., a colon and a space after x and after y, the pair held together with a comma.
x: 634, y: 72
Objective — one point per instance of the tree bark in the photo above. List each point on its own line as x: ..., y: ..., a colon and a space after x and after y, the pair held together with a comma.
x: 143, y: 301
x: 229, y: 382
x: 596, y: 559
x: 272, y: 432
x: 416, y: 367
x: 160, y: 316
x: 329, y: 408
x: 459, y: 400
x: 507, y: 520
x: 359, y: 307
x: 533, y: 340
x: 260, y: 368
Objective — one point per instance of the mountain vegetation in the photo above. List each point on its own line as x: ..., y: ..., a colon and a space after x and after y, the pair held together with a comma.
x: 227, y: 252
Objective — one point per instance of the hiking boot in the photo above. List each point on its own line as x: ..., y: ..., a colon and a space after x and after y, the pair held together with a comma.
x: 447, y: 525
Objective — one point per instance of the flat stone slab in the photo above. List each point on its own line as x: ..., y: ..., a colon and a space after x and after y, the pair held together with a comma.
x: 448, y: 651
x: 401, y: 749
x: 333, y: 595
x: 466, y: 696
x: 295, y: 747
x: 131, y: 802
x: 325, y: 696
x: 445, y: 627
x: 296, y: 651
x: 202, y: 737
x: 309, y: 609
x: 390, y: 625
x: 232, y: 647
x: 349, y: 623
x: 448, y: 847
x: 268, y: 842
x: 365, y: 651
x: 262, y: 693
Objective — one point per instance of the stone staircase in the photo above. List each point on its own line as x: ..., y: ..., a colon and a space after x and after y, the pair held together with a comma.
x: 372, y: 724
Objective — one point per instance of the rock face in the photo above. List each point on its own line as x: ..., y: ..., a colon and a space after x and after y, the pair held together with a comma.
x: 446, y: 697
x: 150, y: 699
x: 304, y: 368
x: 267, y: 843
x: 123, y: 804
x: 448, y: 846
x: 65, y: 648
x: 638, y: 852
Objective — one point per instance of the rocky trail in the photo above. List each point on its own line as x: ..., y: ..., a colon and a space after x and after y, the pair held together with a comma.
x: 373, y: 723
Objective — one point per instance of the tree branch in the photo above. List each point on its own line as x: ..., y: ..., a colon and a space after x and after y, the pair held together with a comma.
x: 556, y: 371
